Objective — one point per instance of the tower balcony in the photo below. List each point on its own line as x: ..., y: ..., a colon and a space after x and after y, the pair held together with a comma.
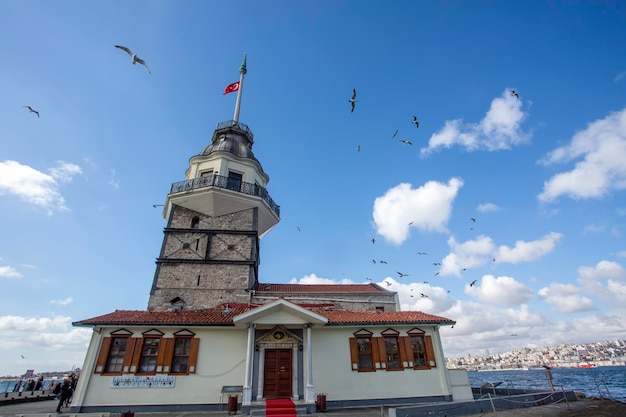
x: 216, y: 195
x: 220, y: 181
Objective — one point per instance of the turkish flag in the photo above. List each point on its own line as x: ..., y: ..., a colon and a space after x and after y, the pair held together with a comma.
x: 232, y: 87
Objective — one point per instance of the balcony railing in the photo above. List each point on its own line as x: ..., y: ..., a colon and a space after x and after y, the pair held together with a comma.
x: 233, y: 184
x: 231, y: 123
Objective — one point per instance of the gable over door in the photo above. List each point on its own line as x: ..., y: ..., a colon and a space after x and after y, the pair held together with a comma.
x: 278, y: 373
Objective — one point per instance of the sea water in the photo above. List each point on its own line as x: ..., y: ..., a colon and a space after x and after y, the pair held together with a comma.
x: 601, y: 381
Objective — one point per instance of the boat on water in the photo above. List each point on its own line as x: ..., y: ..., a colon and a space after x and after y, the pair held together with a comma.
x: 585, y: 365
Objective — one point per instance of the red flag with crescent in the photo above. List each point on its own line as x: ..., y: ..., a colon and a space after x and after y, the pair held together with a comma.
x: 232, y: 87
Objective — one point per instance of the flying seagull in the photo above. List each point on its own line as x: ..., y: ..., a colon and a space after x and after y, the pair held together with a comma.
x: 387, y: 282
x: 358, y: 148
x: 406, y: 142
x: 373, y: 240
x: 422, y: 253
x: 436, y: 263
x: 402, y: 275
x: 353, y: 99
x: 416, y: 122
x: 472, y: 283
x: 30, y: 109
x: 473, y: 219
x: 515, y: 93
x: 394, y: 134
x: 134, y: 58
x: 23, y: 357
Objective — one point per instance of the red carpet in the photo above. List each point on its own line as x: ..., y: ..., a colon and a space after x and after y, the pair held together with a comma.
x: 279, y: 407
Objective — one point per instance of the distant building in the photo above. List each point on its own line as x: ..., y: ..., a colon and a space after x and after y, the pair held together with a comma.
x: 213, y: 329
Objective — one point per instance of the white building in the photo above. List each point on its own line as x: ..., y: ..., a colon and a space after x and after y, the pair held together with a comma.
x: 212, y: 329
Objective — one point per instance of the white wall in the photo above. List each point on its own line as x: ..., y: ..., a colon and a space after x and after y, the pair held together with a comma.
x: 221, y: 361
x: 333, y: 375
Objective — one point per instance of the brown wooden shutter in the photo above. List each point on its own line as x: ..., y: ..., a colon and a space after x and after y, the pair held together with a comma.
x: 131, y: 346
x: 378, y: 346
x: 430, y: 352
x: 354, y: 354
x: 101, y: 361
x: 134, y: 362
x: 408, y: 348
x: 193, y: 355
x: 404, y: 355
x: 164, y: 357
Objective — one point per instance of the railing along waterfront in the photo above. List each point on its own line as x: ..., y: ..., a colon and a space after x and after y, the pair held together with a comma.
x: 221, y: 181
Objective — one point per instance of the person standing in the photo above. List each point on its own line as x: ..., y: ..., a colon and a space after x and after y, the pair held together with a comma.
x: 65, y: 392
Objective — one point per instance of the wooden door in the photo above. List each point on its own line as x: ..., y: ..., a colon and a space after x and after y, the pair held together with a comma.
x: 277, y: 375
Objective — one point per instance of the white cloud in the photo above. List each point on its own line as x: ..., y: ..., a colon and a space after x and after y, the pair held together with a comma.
x: 604, y: 270
x: 498, y: 130
x: 602, y: 147
x: 34, y: 186
x: 487, y: 207
x: 528, y: 251
x: 62, y: 302
x: 114, y: 182
x: 469, y: 254
x: 502, y: 290
x: 593, y: 228
x: 565, y: 298
x: 48, y: 332
x: 426, y: 208
x: 65, y: 172
x: 9, y: 272
x: 314, y: 279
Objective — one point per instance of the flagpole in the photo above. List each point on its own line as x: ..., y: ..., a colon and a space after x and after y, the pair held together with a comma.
x: 242, y: 72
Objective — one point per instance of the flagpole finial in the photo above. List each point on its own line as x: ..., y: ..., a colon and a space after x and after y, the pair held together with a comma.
x: 243, y: 69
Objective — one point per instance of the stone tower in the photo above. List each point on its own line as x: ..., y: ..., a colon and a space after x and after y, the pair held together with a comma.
x: 215, y: 220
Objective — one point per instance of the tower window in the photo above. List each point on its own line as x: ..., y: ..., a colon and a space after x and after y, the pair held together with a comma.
x: 234, y: 181
x: 195, y: 222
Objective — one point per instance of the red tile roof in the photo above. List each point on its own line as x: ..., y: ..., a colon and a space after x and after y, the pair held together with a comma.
x: 340, y: 316
x: 320, y: 288
x: 223, y: 316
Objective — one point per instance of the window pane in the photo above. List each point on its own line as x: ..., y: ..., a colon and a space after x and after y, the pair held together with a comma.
x: 116, y: 355
x: 149, y: 351
x: 419, y: 355
x: 393, y: 354
x: 180, y: 360
x: 364, y: 346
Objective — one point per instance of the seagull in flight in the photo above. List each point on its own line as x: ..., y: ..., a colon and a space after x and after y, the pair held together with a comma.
x: 373, y: 240
x: 472, y: 283
x: 358, y: 148
x: 388, y: 283
x: 472, y: 219
x: 23, y: 357
x: 30, y: 109
x: 134, y: 58
x: 402, y: 275
x: 382, y: 262
x: 515, y: 93
x: 416, y: 122
x: 436, y: 263
x: 394, y: 134
x: 423, y: 295
x: 406, y: 142
x: 422, y: 253
x: 353, y: 99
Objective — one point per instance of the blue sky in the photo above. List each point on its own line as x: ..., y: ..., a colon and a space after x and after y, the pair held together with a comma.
x: 543, y: 175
